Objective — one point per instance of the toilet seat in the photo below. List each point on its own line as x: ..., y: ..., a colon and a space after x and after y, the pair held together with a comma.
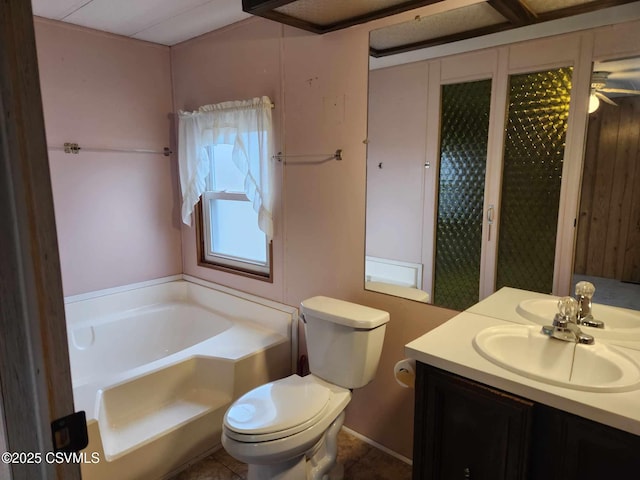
x: 277, y: 409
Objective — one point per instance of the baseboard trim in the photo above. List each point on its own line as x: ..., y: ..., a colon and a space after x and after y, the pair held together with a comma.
x: 367, y: 440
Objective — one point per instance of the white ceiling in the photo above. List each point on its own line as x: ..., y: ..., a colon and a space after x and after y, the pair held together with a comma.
x: 169, y: 22
x: 624, y: 73
x: 166, y: 22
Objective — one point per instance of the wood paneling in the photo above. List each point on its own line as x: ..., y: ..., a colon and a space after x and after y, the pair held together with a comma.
x: 608, y: 241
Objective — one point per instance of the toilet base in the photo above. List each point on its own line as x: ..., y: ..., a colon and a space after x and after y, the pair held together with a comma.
x: 295, y: 469
x: 291, y: 471
x: 319, y: 463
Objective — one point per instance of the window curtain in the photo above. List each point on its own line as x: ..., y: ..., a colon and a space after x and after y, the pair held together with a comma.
x: 245, y: 124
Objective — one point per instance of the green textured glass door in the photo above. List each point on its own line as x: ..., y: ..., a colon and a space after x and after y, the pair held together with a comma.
x: 529, y: 189
x: 531, y: 178
x: 464, y: 129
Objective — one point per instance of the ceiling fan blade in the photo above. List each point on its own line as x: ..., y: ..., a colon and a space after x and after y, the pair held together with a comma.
x: 606, y: 99
x: 620, y: 90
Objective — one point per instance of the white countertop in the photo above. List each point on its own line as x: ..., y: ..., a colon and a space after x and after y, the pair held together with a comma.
x: 450, y: 348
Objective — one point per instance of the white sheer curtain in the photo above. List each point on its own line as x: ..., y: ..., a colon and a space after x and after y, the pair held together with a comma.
x: 245, y: 124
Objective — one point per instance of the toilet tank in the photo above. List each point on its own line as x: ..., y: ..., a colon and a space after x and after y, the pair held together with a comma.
x: 344, y: 340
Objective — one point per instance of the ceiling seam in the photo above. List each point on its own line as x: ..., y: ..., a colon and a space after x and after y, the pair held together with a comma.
x: 75, y: 9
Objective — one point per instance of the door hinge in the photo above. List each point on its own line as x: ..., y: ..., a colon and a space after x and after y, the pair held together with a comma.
x: 69, y: 433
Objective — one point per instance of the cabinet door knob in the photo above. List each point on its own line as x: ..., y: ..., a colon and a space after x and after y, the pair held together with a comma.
x: 467, y: 473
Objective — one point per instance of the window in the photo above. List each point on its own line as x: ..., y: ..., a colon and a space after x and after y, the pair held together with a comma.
x: 226, y: 169
x: 231, y: 236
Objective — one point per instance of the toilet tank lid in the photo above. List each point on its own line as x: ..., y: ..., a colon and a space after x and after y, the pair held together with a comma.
x: 344, y: 313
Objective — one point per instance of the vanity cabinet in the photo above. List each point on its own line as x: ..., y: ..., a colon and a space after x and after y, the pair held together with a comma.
x: 568, y: 447
x: 467, y: 430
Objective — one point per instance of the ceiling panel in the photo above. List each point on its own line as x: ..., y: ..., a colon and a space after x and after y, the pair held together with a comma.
x: 197, y: 21
x: 425, y: 28
x: 540, y: 6
x: 333, y: 11
x: 56, y: 9
x: 127, y: 17
x: 478, y: 20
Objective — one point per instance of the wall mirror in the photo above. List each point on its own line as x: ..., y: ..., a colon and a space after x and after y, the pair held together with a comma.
x: 607, y: 250
x: 447, y: 226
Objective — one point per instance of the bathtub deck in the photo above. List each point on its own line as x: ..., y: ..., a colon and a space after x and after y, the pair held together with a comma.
x: 140, y: 410
x: 122, y: 438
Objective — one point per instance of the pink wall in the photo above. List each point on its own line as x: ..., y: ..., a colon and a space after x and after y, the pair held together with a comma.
x: 238, y: 62
x: 318, y: 84
x: 116, y: 213
x: 397, y: 140
x: 325, y: 85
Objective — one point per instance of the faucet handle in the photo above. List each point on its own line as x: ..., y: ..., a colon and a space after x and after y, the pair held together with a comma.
x: 568, y: 307
x: 585, y: 289
x: 567, y: 312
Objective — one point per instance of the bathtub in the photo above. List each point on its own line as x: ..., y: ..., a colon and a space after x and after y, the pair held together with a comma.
x: 155, y: 368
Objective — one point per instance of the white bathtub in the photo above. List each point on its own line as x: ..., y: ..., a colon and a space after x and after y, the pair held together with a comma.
x: 155, y: 368
x: 143, y: 335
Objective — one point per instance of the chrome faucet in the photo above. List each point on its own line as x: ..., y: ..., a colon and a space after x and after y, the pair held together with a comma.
x: 564, y: 325
x: 584, y: 294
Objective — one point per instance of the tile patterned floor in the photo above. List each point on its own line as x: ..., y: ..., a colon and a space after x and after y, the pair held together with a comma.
x: 361, y: 462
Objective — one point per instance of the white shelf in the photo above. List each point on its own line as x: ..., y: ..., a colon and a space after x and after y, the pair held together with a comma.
x: 141, y: 427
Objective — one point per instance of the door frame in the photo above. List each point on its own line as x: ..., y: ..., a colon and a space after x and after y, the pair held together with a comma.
x: 35, y: 378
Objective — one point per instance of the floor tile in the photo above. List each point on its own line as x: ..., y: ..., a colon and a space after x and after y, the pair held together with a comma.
x: 361, y: 462
x: 208, y: 469
x: 351, y: 449
x: 231, y: 463
x: 378, y: 465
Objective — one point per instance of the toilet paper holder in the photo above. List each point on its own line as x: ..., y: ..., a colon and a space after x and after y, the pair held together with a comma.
x: 404, y: 372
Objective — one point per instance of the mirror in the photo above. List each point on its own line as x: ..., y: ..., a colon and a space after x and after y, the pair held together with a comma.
x: 607, y: 249
x: 400, y: 233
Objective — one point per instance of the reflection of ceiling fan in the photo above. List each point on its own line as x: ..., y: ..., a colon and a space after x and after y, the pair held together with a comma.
x: 599, y: 89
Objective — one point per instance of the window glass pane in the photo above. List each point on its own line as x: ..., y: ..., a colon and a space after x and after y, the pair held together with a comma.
x: 235, y: 232
x: 226, y: 176
x: 253, y: 142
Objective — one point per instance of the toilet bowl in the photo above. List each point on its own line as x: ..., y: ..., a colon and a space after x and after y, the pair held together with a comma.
x: 283, y: 421
x: 288, y: 429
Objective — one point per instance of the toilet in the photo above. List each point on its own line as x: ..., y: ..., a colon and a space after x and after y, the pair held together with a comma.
x: 288, y: 429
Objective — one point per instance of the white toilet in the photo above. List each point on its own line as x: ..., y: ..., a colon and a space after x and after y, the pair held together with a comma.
x: 288, y: 429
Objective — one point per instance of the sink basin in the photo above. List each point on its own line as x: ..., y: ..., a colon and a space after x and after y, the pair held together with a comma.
x: 524, y: 350
x: 619, y: 323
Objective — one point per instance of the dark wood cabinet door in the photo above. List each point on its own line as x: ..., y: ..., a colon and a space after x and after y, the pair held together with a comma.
x: 465, y: 430
x: 593, y: 451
